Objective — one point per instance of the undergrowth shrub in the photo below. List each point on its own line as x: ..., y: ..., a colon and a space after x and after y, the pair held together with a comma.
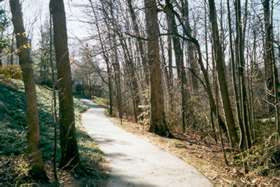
x: 144, y: 116
x: 11, y: 72
x: 197, y: 109
x: 100, y: 101
x: 263, y: 158
x: 198, y: 115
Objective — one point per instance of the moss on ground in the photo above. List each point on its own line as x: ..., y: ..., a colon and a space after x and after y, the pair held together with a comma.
x: 13, y: 144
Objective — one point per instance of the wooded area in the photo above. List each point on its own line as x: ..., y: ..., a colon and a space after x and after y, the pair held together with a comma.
x: 179, y: 68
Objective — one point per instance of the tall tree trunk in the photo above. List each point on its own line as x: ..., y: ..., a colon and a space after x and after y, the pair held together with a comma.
x: 132, y: 76
x: 128, y: 58
x: 217, y: 99
x: 179, y: 61
x: 158, y: 123
x: 32, y: 115
x: 271, y: 73
x: 214, y: 112
x: 207, y: 84
x: 268, y: 53
x: 245, y: 141
x: 165, y: 66
x: 54, y: 102
x: 233, y: 68
x: 275, y: 77
x: 220, y: 67
x: 190, y: 49
x: 170, y: 71
x: 140, y: 43
x: 117, y: 75
x: 115, y: 56
x: 12, y: 50
x: 110, y: 89
x: 68, y: 142
x: 106, y: 59
x: 1, y: 63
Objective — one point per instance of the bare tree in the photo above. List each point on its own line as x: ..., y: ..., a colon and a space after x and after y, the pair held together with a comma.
x: 105, y: 57
x: 140, y: 43
x: 220, y: 63
x: 172, y: 27
x: 245, y: 141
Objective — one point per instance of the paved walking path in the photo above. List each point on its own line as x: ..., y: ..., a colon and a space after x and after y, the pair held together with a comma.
x: 135, y: 162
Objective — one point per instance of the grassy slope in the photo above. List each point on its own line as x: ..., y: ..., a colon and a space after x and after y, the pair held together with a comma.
x: 13, y: 164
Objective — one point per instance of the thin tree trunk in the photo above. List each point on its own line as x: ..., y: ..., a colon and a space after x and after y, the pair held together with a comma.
x: 133, y: 80
x: 106, y: 59
x: 165, y: 69
x: 116, y: 62
x: 128, y: 59
x: 179, y: 62
x: 1, y: 63
x: 220, y: 67
x: 233, y: 69
x: 216, y: 87
x: 190, y: 48
x: 69, y: 148
x: 268, y: 53
x: 271, y: 73
x: 12, y: 50
x: 131, y: 70
x: 207, y: 84
x: 32, y: 115
x: 117, y: 75
x: 170, y: 72
x: 110, y: 90
x: 212, y: 105
x: 275, y: 77
x: 140, y: 43
x: 54, y: 103
x: 245, y: 141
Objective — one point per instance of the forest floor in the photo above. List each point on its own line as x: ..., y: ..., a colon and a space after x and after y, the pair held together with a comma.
x: 206, y: 157
x: 132, y: 160
x: 13, y: 161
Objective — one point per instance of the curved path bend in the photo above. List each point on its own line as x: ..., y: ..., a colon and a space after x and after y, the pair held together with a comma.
x: 135, y: 162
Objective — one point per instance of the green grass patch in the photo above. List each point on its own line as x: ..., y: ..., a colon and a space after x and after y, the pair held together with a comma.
x: 13, y: 131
